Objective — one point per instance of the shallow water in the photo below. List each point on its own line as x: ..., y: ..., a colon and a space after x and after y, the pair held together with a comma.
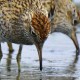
x: 59, y: 61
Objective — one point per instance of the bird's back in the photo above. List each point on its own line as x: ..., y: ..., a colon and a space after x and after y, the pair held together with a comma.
x: 15, y: 19
x: 11, y: 27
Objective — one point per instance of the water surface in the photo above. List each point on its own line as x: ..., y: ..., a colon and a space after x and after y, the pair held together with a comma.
x: 59, y: 61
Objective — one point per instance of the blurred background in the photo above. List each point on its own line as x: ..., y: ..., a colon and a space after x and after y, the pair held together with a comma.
x: 77, y: 3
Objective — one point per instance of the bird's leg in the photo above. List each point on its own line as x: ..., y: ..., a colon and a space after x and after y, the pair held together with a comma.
x: 0, y: 52
x: 10, y: 47
x: 74, y: 38
x: 39, y: 49
x: 20, y: 49
x: 9, y: 59
x: 18, y: 58
x: 18, y: 76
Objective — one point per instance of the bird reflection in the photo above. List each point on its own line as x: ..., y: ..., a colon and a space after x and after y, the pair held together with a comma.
x: 18, y: 58
x: 72, y: 67
x: 9, y: 58
x: 70, y: 70
x: 18, y: 76
x: 76, y: 58
x: 10, y: 49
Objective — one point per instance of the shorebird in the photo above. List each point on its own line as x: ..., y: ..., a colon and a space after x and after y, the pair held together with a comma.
x: 63, y: 22
x: 47, y: 5
x: 24, y: 25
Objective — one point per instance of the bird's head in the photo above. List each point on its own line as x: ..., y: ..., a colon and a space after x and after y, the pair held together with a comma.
x: 40, y: 28
x: 36, y: 23
x: 73, y: 13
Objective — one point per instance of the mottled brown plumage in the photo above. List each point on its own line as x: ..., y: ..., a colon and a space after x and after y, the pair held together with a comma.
x: 17, y: 6
x: 42, y: 31
x: 62, y: 21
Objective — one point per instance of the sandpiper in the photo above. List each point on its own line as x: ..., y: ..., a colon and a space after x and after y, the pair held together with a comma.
x: 63, y: 21
x: 24, y: 25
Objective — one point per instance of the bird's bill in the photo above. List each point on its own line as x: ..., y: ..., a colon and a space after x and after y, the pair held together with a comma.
x: 39, y: 49
x: 75, y: 41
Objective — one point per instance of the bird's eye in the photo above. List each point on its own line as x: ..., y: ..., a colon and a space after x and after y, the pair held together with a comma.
x: 33, y: 34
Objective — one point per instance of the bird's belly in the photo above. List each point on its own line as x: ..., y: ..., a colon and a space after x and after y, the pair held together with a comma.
x: 17, y: 39
x: 15, y: 35
x: 20, y: 40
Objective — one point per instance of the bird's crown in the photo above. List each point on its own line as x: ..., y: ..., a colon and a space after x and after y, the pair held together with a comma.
x: 40, y: 25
